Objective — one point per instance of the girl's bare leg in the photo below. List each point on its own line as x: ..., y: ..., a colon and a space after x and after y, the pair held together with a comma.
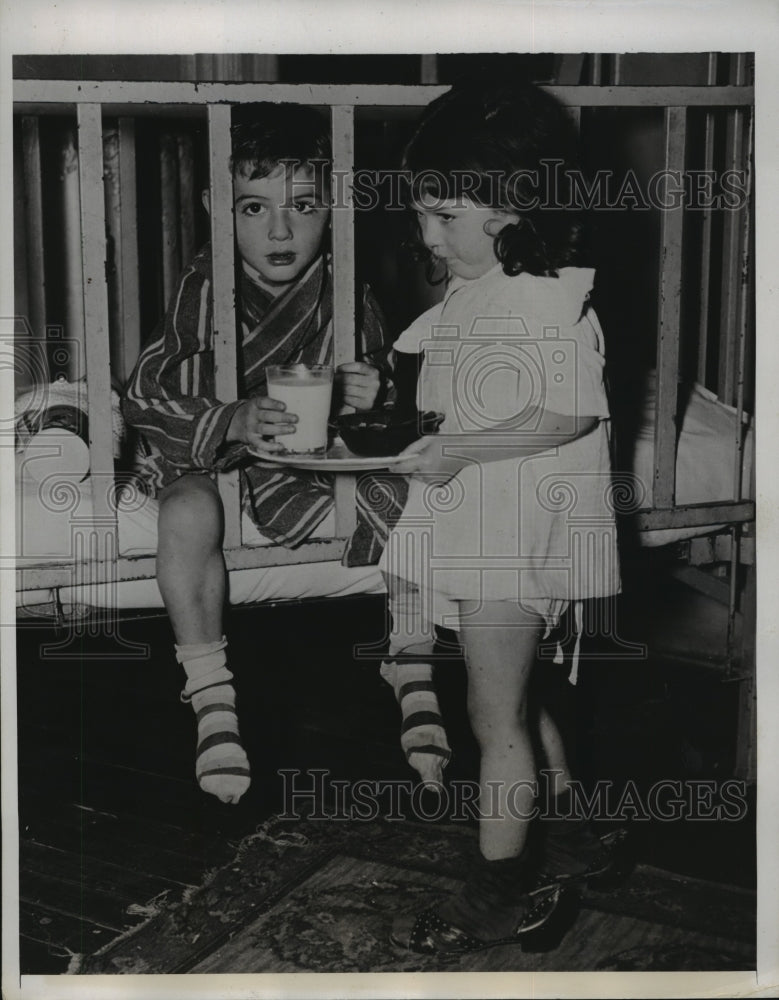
x: 571, y: 846
x: 555, y: 759
x: 500, y: 642
x: 495, y: 904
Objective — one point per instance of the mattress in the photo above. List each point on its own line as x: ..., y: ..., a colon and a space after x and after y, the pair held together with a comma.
x: 246, y: 586
x: 49, y: 513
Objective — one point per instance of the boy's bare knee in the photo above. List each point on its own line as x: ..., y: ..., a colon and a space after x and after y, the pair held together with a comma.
x: 192, y: 507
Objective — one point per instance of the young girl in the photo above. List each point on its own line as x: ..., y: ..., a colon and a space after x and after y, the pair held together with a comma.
x: 508, y: 518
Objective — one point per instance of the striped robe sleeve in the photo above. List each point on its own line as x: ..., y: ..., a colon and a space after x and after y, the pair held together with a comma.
x: 170, y: 396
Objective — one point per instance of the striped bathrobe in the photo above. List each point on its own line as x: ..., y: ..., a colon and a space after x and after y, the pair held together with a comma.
x: 171, y: 400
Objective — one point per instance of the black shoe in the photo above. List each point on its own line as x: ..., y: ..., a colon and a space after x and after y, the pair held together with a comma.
x: 428, y: 933
x: 575, y: 854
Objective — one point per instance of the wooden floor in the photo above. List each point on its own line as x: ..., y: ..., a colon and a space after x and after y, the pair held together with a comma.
x: 112, y: 823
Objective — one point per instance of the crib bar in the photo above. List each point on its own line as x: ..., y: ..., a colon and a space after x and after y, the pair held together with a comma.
x: 113, y: 222
x: 744, y: 279
x: 696, y: 515
x: 33, y: 217
x: 669, y: 315
x: 123, y: 302
x: 223, y: 272
x: 733, y: 590
x: 343, y: 285
x: 37, y: 94
x: 731, y: 262
x: 343, y: 235
x: 169, y: 204
x: 130, y: 309
x: 187, y: 195
x: 98, y: 364
x: 705, y: 285
x: 72, y: 259
x: 222, y: 240
x: 744, y: 317
x: 746, y: 739
x: 735, y: 224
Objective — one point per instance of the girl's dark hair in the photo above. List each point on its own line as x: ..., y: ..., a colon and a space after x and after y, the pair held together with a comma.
x: 508, y: 146
x: 265, y: 136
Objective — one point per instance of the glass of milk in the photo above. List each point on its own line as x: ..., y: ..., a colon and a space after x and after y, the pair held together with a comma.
x: 306, y: 390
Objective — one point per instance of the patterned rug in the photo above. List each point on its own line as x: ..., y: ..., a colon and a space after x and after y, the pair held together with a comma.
x: 319, y: 896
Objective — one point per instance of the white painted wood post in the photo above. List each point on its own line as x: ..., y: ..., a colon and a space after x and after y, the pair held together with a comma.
x: 343, y: 285
x: 225, y: 324
x: 669, y: 319
x: 95, y: 311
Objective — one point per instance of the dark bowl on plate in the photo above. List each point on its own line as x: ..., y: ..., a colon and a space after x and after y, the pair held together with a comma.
x: 379, y: 433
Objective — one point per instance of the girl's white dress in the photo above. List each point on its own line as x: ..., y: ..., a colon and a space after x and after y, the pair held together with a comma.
x: 538, y: 530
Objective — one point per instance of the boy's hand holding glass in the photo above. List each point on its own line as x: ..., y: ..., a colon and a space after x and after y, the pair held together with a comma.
x: 358, y: 384
x: 259, y: 419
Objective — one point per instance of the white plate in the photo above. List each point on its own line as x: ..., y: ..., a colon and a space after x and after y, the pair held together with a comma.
x: 337, y: 458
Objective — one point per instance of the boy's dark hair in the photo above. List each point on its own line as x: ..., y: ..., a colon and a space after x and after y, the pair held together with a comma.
x: 265, y: 136
x: 503, y: 145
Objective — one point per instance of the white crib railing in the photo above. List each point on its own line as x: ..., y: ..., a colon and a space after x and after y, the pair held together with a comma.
x: 128, y: 101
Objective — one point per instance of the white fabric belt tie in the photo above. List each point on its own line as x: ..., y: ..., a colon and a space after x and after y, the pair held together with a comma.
x: 573, y: 676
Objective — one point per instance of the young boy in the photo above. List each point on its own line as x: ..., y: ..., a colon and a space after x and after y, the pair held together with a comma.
x: 280, y: 165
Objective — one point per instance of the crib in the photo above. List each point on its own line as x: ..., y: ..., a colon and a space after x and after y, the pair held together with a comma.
x: 109, y: 556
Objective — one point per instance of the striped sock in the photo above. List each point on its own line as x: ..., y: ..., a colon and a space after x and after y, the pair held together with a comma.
x: 221, y: 765
x: 422, y: 733
x: 408, y: 670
